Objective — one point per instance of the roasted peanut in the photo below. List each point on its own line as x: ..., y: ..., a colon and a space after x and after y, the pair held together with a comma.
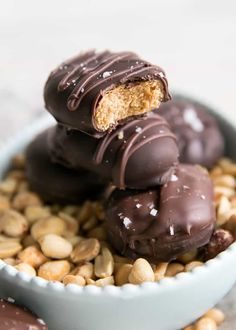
x: 85, y: 212
x: 9, y: 249
x: 24, y: 199
x: 215, y: 314
x: 85, y: 270
x: 85, y: 250
x: 32, y: 256
x: 54, y: 270
x: 122, y: 274
x: 35, y: 212
x: 191, y: 265
x: 4, y: 203
x: 26, y: 268
x: 54, y: 246
x: 102, y: 281
x: 141, y: 272
x: 205, y: 323
x: 13, y: 223
x: 104, y: 264
x: 188, y: 257
x: 72, y: 225
x: 223, y: 210
x: 160, y: 271
x: 8, y: 186
x: 10, y: 261
x: 74, y: 279
x: 50, y: 225
x: 173, y: 269
x: 99, y: 233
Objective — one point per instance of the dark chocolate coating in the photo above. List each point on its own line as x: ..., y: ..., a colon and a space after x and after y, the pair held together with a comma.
x: 13, y: 317
x: 55, y: 183
x: 166, y: 222
x: 74, y: 89
x: 139, y: 154
x: 199, y: 138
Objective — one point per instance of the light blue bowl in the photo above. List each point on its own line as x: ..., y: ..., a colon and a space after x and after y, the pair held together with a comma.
x: 168, y: 305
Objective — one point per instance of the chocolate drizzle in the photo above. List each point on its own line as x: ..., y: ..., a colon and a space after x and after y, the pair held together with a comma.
x: 80, y: 83
x: 163, y: 223
x: 85, y: 73
x: 138, y: 154
x: 133, y: 143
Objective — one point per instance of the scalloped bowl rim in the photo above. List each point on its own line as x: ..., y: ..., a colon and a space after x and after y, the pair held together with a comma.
x: 30, y: 131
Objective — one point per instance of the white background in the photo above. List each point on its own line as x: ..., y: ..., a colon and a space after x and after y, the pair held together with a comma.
x: 193, y: 40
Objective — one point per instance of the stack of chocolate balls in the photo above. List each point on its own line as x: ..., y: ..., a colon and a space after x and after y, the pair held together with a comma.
x: 113, y: 130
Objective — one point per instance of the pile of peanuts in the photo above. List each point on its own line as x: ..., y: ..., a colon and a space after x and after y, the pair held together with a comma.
x: 69, y: 243
x: 210, y: 321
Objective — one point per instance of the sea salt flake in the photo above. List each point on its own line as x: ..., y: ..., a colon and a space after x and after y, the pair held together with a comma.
x: 138, y: 129
x: 138, y: 205
x: 127, y: 222
x: 191, y: 118
x: 172, y: 230
x: 153, y: 212
x: 10, y: 300
x: 121, y: 135
x: 82, y: 90
x: 41, y: 321
x: 161, y: 74
x: 173, y: 178
x: 106, y: 74
x: 203, y: 197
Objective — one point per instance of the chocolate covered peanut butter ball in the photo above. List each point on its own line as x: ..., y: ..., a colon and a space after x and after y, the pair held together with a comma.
x: 55, y: 183
x: 165, y: 222
x: 94, y: 91
x: 139, y: 154
x: 199, y: 137
x: 13, y: 317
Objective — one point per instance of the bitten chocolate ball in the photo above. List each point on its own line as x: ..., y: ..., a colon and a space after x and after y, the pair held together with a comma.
x: 199, y: 138
x: 55, y: 183
x: 139, y: 154
x: 94, y: 91
x: 163, y: 223
x: 13, y: 317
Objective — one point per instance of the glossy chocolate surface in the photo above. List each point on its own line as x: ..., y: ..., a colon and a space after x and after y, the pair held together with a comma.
x: 163, y: 223
x: 139, y: 154
x: 74, y: 89
x: 199, y: 138
x: 13, y: 317
x: 55, y: 183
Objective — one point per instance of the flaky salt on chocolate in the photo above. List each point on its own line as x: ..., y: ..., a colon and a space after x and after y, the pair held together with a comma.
x: 139, y: 154
x: 93, y: 92
x: 166, y: 222
x: 15, y: 317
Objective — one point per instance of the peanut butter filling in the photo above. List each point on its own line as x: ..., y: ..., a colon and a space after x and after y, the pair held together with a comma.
x: 126, y: 101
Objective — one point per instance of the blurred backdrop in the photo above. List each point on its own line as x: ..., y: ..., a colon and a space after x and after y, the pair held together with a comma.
x: 193, y: 40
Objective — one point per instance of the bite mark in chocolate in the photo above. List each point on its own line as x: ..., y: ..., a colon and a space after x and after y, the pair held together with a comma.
x: 94, y: 91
